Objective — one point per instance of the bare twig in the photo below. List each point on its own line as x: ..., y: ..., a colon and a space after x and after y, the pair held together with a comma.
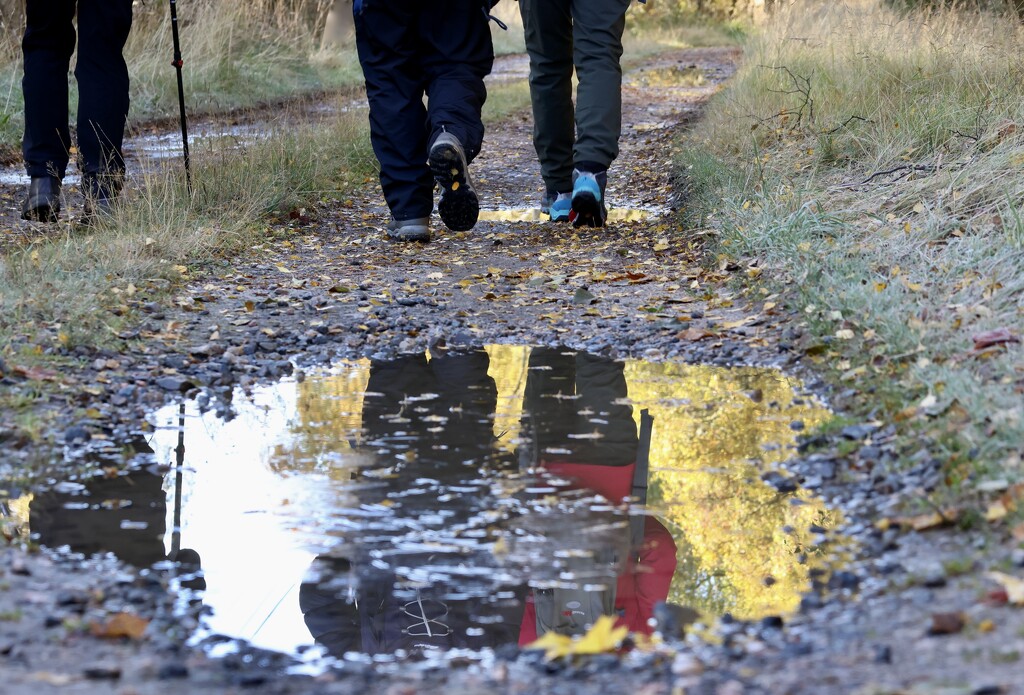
x: 801, y: 86
x: 847, y: 122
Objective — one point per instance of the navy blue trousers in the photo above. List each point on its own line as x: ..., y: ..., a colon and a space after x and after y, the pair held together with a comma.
x: 102, y: 77
x: 412, y: 48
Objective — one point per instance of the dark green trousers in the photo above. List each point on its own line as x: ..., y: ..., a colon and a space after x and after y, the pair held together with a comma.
x: 586, y: 35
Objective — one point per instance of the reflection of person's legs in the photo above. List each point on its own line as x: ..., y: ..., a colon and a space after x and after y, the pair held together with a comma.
x: 102, y: 76
x: 602, y: 408
x: 549, y: 36
x: 389, y: 389
x: 549, y: 407
x: 387, y: 42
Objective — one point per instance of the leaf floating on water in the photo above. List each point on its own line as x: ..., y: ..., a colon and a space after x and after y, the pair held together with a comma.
x: 603, y: 637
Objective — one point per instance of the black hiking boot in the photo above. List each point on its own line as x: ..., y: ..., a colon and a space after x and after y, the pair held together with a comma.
x: 42, y: 204
x: 459, y: 207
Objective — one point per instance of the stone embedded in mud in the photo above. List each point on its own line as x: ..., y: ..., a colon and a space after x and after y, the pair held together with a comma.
x: 77, y: 435
x: 174, y: 383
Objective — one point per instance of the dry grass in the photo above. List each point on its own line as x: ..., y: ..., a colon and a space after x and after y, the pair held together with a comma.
x: 76, y: 289
x: 236, y: 53
x: 873, y: 162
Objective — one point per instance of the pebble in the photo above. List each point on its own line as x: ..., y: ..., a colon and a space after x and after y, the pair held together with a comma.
x: 174, y: 383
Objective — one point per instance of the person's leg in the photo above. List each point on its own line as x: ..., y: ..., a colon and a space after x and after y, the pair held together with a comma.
x: 102, y: 76
x: 549, y: 42
x: 388, y: 48
x: 597, y: 50
x: 47, y: 47
x: 457, y: 54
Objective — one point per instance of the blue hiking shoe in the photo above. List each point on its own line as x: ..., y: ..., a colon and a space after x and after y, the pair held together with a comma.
x: 587, y: 206
x: 458, y: 206
x: 560, y: 207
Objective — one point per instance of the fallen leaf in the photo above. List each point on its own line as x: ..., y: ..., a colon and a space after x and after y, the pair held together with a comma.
x: 120, y: 625
x: 999, y: 336
x: 996, y: 511
x: 1013, y: 586
x: 947, y: 623
x: 602, y: 637
x: 695, y: 334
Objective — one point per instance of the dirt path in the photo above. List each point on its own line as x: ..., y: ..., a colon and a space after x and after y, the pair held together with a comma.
x: 327, y: 285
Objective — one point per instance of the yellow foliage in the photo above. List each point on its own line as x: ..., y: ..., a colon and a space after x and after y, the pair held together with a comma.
x: 602, y: 637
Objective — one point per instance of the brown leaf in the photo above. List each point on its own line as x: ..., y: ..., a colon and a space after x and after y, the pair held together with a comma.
x: 998, y: 336
x: 120, y: 625
x: 947, y: 623
x: 695, y: 334
x: 35, y: 373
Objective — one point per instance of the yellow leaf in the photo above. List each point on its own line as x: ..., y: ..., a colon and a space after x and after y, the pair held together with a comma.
x: 996, y: 511
x: 602, y: 637
x: 1013, y: 586
x: 553, y: 644
x: 845, y: 334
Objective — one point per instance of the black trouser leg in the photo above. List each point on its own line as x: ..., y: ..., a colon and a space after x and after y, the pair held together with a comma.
x: 47, y: 47
x: 408, y: 48
x: 102, y: 76
x: 459, y: 56
x: 387, y: 41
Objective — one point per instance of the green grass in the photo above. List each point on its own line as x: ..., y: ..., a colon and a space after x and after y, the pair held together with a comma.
x: 899, y: 270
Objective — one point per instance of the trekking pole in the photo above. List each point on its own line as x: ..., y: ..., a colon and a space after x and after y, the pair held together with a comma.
x: 177, y: 63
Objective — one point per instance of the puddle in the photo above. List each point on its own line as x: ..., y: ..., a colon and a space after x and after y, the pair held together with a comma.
x: 535, y: 215
x: 464, y: 501
x: 672, y: 76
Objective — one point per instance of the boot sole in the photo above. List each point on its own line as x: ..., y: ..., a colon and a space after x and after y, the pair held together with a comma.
x: 459, y: 206
x: 41, y: 212
x: 587, y: 211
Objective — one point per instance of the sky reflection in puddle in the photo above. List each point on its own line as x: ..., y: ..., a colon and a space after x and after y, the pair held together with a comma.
x: 535, y: 215
x: 466, y: 500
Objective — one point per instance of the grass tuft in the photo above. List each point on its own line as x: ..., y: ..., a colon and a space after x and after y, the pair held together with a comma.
x: 873, y: 161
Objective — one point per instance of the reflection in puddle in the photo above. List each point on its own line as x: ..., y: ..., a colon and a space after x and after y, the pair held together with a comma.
x: 673, y: 76
x: 535, y: 215
x: 466, y: 500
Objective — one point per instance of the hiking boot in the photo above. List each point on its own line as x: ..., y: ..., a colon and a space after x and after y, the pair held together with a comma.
x: 459, y: 207
x: 417, y: 229
x: 588, y: 207
x: 42, y: 204
x: 560, y: 207
x: 100, y: 193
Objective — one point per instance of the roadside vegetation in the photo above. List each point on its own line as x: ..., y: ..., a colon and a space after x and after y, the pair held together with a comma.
x: 867, y: 164
x: 236, y: 53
